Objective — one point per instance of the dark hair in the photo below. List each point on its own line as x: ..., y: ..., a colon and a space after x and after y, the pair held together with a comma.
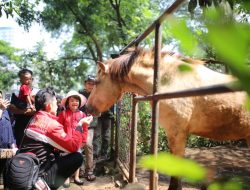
x: 1, y: 92
x: 43, y: 97
x: 90, y: 78
x: 59, y: 97
x: 24, y: 71
x: 74, y: 96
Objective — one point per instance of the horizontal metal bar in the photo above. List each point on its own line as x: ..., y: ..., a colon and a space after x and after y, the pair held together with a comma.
x: 208, y: 90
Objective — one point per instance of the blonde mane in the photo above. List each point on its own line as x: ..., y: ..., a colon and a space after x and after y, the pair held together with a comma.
x: 120, y: 67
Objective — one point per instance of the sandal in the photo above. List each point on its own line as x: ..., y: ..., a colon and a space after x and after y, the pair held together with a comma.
x: 78, y: 182
x: 66, y: 185
x: 90, y: 176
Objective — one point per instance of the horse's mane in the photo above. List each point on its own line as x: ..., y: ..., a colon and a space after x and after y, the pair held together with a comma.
x: 120, y: 67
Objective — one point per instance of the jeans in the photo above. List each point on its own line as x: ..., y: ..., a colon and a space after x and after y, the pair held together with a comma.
x: 88, y: 148
x: 102, y: 137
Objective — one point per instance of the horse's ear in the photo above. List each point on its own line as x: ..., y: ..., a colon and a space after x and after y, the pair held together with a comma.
x: 103, y: 67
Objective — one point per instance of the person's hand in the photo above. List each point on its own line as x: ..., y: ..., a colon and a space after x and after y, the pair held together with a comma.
x: 32, y: 107
x: 83, y: 145
x: 4, y: 104
x: 86, y: 120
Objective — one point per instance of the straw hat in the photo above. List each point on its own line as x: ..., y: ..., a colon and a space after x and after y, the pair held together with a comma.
x: 74, y: 93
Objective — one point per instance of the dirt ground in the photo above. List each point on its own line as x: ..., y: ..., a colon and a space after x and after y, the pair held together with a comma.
x: 224, y: 161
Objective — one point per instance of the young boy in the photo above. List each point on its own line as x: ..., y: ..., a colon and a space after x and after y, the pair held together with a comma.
x: 24, y: 99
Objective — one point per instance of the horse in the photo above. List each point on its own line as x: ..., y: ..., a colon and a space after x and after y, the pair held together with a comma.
x: 219, y: 117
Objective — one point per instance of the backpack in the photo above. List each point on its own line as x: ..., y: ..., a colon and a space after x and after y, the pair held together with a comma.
x: 21, y: 172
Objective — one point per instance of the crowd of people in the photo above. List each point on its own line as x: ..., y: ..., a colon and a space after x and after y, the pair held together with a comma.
x: 57, y: 129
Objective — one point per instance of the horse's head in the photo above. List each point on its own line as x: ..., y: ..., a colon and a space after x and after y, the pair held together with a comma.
x: 106, y: 91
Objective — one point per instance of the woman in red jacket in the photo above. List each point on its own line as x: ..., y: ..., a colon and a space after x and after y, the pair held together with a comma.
x: 72, y: 117
x: 43, y: 135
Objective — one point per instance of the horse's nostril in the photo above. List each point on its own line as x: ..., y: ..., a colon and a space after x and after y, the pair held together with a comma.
x: 88, y: 109
x: 91, y: 110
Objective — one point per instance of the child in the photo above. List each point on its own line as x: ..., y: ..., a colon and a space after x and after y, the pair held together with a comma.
x: 72, y: 117
x: 24, y: 99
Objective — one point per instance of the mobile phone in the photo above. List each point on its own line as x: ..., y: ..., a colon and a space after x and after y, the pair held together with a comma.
x: 8, y: 97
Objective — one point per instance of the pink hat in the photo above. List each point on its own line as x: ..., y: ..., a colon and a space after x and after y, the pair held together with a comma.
x: 74, y: 93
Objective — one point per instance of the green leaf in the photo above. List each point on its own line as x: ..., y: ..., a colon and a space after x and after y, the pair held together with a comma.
x: 233, y: 184
x: 230, y: 41
x: 169, y: 164
x: 184, y: 68
x: 248, y: 103
x: 189, y: 43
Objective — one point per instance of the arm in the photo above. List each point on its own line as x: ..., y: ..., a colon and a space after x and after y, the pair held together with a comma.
x: 85, y: 121
x: 84, y: 133
x: 16, y: 110
x: 61, y: 117
x: 49, y: 130
x: 66, y: 142
x: 28, y: 99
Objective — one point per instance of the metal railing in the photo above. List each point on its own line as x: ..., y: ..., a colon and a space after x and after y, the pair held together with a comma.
x: 155, y: 97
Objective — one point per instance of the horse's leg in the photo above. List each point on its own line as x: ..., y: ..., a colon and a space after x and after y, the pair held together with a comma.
x: 176, y: 143
x: 248, y: 142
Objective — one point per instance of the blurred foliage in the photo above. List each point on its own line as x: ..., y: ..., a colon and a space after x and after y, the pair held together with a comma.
x: 8, y: 58
x: 24, y: 11
x: 169, y: 164
x: 231, y: 43
x: 191, y: 171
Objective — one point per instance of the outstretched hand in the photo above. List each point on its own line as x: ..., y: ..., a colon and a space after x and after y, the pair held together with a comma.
x: 86, y: 120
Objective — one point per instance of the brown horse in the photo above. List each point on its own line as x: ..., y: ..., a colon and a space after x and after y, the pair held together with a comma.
x: 219, y: 117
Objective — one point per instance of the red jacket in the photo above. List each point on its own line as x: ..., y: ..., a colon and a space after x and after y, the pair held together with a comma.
x: 70, y: 121
x: 45, y: 127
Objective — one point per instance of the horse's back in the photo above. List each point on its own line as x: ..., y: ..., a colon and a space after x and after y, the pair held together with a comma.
x: 219, y: 117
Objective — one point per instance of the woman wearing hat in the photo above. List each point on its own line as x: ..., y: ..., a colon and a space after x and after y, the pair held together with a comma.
x: 72, y: 117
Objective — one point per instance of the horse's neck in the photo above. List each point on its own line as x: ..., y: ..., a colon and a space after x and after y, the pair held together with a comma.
x: 139, y: 81
x: 140, y: 78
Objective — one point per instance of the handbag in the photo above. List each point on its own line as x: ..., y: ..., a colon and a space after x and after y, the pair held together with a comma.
x: 21, y: 172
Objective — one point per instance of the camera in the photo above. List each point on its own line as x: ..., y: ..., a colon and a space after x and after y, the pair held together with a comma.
x: 7, y: 96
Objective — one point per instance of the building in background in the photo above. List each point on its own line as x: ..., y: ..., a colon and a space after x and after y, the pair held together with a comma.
x: 7, y: 34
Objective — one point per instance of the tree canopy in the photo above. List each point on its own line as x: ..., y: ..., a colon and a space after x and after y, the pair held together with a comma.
x: 100, y: 28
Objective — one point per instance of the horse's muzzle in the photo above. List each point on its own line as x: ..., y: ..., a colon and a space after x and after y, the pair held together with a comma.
x: 91, y: 110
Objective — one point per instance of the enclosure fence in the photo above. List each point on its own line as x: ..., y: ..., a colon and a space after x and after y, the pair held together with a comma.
x: 130, y: 171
